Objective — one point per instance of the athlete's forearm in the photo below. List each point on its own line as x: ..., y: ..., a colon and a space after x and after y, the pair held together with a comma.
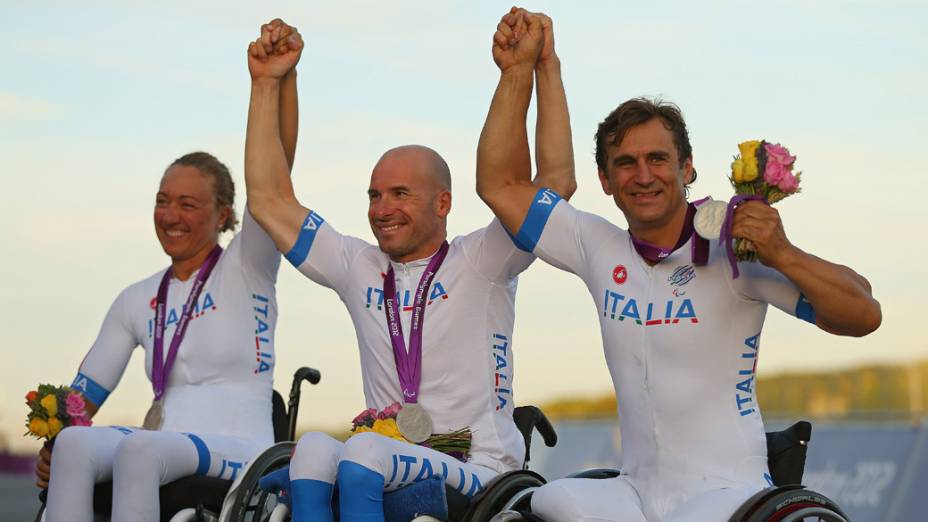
x: 289, y: 115
x: 267, y: 175
x: 503, y: 161
x: 554, y: 152
x: 266, y: 171
x: 841, y: 298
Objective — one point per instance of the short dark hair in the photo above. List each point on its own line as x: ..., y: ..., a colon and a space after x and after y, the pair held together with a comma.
x: 638, y: 111
x: 223, y: 187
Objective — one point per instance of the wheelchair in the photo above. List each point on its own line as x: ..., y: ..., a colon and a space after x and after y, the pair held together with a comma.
x: 785, y: 501
x: 446, y: 503
x: 210, y: 499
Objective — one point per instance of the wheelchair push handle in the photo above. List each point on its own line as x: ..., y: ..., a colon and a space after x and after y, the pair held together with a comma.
x: 544, y: 427
x: 304, y: 373
x: 529, y: 418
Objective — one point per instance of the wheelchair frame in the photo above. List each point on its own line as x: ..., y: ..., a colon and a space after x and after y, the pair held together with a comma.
x: 785, y: 501
x: 222, y: 495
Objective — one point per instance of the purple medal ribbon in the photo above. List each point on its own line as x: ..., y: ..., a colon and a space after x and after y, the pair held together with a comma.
x: 725, y: 237
x: 161, y: 368
x: 409, y: 365
x: 654, y: 253
x: 700, y: 245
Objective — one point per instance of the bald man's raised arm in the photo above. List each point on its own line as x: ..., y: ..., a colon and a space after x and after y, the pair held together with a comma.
x: 271, y: 200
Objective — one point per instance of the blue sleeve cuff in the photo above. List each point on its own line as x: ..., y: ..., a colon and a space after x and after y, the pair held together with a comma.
x: 536, y: 219
x: 92, y: 391
x: 804, y: 310
x: 304, y: 242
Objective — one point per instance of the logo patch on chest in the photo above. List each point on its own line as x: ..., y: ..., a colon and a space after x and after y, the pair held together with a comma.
x: 620, y: 274
x: 680, y: 277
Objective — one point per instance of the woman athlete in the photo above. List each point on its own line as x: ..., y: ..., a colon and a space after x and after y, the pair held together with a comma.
x: 206, y: 324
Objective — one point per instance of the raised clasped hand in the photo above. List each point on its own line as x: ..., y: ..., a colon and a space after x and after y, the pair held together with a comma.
x: 518, y: 39
x: 276, y: 52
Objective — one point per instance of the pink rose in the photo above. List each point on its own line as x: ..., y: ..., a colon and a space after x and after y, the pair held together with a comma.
x: 779, y: 163
x: 390, y: 411
x: 774, y: 172
x: 366, y: 417
x: 779, y: 153
x: 789, y: 183
x: 75, y: 405
x: 80, y: 420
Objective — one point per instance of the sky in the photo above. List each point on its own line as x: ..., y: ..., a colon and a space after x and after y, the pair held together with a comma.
x: 97, y: 99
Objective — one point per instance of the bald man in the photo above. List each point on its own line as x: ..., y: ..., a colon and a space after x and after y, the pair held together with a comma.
x: 433, y: 318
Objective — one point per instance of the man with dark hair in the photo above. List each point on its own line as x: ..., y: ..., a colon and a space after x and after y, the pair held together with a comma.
x: 680, y: 333
x: 634, y: 112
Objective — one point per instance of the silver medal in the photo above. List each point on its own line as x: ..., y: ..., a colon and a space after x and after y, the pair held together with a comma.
x: 414, y: 423
x: 155, y: 416
x: 709, y: 218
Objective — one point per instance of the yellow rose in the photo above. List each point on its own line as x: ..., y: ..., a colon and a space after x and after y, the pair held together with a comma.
x: 749, y: 159
x: 737, y: 170
x: 750, y: 170
x: 50, y: 403
x: 749, y: 149
x: 361, y: 429
x: 388, y: 428
x: 38, y: 427
x: 54, y: 426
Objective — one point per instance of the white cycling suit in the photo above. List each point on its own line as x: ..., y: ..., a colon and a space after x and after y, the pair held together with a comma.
x: 681, y: 342
x: 466, y: 337
x: 217, y: 402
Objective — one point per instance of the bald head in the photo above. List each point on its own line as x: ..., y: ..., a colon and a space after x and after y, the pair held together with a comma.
x: 422, y: 159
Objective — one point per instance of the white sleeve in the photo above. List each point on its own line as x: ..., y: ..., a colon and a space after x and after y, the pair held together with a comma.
x: 106, y: 361
x: 762, y: 283
x: 322, y: 254
x: 493, y: 253
x: 255, y: 250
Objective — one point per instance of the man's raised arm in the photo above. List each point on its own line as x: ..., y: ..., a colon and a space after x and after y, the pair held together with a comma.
x: 554, y: 152
x: 271, y: 137
x: 503, y: 161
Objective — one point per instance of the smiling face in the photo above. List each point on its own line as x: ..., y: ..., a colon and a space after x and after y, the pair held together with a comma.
x: 187, y: 219
x: 409, y: 203
x: 645, y: 177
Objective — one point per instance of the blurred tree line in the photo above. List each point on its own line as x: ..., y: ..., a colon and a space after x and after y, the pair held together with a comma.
x: 869, y: 393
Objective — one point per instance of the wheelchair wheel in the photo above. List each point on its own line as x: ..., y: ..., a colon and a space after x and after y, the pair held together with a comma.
x: 249, y: 503
x: 795, y: 504
x: 496, y: 497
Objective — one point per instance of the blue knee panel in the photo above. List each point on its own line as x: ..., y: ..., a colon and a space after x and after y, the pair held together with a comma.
x: 202, y: 453
x: 360, y: 493
x: 311, y: 500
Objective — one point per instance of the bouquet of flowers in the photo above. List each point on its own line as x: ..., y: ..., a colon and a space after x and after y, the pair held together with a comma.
x: 765, y: 170
x: 382, y: 422
x: 455, y: 444
x: 53, y: 408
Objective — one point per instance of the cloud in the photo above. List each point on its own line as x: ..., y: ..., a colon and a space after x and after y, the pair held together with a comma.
x: 18, y: 108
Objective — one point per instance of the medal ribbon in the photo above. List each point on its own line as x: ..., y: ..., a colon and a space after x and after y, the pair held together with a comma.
x: 409, y: 365
x: 700, y: 245
x: 654, y: 253
x: 161, y: 368
x: 725, y: 237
